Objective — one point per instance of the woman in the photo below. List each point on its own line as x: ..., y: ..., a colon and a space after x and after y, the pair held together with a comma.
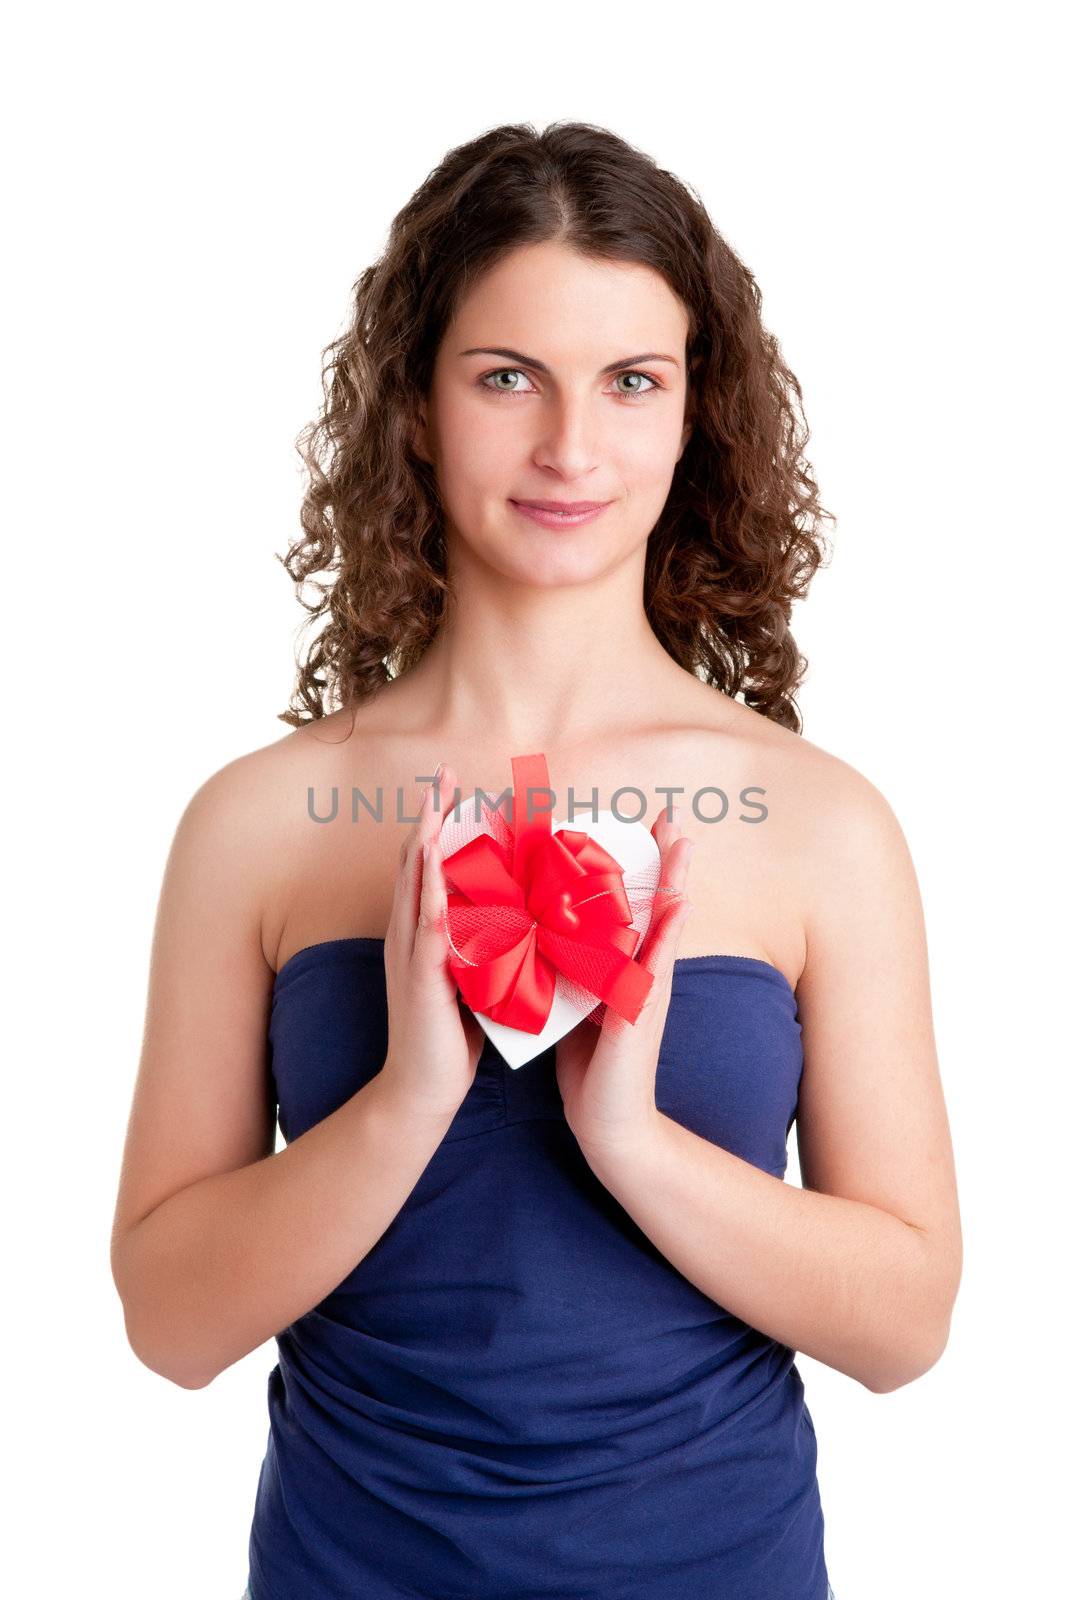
x: 536, y: 1328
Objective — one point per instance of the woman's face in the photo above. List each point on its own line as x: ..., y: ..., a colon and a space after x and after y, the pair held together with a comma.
x: 560, y: 379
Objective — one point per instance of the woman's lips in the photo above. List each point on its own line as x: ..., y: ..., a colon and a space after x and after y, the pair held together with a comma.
x: 559, y: 519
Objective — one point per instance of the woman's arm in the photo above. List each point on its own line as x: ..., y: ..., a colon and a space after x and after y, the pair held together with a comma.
x: 861, y: 1267
x: 218, y: 1243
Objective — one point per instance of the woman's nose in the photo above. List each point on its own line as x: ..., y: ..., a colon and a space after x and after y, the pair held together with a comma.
x: 567, y: 438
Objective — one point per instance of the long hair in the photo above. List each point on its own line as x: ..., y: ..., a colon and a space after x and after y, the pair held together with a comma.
x: 739, y: 537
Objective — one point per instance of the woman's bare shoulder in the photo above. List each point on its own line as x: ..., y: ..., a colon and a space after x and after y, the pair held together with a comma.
x: 839, y: 829
x: 250, y: 816
x: 814, y: 778
x: 270, y: 780
x: 807, y: 822
x: 323, y: 865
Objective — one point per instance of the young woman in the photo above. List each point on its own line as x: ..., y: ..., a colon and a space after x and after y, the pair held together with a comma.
x: 536, y: 1327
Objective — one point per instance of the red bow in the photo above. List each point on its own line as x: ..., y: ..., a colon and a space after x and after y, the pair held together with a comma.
x: 543, y: 904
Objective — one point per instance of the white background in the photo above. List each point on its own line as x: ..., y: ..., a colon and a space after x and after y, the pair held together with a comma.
x: 189, y: 194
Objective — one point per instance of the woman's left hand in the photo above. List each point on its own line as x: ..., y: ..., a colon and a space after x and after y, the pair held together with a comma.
x: 607, y: 1073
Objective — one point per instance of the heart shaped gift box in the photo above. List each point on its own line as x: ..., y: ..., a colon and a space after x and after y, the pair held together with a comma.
x: 543, y: 918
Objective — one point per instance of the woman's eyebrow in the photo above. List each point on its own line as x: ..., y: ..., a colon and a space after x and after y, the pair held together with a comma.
x: 539, y: 366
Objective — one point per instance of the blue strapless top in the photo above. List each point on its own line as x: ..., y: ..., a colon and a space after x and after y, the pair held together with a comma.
x: 515, y: 1396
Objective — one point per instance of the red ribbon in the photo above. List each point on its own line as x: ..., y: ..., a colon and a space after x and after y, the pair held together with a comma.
x: 544, y: 904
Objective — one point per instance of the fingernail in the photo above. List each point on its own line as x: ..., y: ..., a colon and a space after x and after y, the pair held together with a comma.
x: 437, y: 771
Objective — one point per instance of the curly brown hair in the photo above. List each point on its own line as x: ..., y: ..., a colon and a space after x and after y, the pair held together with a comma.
x: 739, y: 537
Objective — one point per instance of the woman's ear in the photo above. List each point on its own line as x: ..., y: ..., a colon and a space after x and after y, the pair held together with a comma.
x: 686, y: 432
x: 420, y: 437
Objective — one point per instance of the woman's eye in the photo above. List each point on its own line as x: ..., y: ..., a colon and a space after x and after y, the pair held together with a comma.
x: 505, y: 372
x: 644, y: 375
x: 512, y: 375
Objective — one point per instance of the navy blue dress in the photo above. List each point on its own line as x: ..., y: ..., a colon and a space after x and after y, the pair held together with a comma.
x: 515, y: 1396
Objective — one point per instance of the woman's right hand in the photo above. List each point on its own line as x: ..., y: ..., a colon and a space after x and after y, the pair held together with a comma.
x: 434, y: 1039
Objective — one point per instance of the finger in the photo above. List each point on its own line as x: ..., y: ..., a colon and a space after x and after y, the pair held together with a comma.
x: 665, y: 830
x: 666, y: 834
x: 674, y: 859
x: 431, y: 941
x: 672, y: 908
x: 407, y: 892
x: 444, y: 801
x: 658, y: 949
